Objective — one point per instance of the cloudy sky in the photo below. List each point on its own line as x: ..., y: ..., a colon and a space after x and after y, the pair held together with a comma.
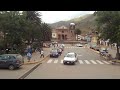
x: 55, y: 16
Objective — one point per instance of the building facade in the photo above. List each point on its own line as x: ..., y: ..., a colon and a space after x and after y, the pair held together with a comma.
x: 64, y: 33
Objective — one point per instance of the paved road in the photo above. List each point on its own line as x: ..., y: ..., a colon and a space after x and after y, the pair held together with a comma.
x: 15, y: 74
x: 89, y: 66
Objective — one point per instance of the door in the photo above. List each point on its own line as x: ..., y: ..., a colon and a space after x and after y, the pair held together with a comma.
x: 3, y: 61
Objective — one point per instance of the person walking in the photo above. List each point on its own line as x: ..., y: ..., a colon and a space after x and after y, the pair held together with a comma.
x: 42, y: 54
x: 29, y: 56
x: 29, y: 53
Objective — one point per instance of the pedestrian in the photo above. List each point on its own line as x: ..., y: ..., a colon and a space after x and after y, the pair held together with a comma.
x: 30, y: 50
x: 42, y: 54
x: 29, y: 56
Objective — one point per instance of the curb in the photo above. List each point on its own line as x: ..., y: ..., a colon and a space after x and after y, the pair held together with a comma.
x: 27, y: 73
x: 94, y: 50
x: 32, y: 69
x: 98, y: 53
x: 34, y: 62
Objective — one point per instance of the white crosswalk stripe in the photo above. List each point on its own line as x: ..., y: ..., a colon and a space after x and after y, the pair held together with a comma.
x: 106, y: 62
x: 93, y: 61
x: 99, y: 62
x: 49, y: 61
x: 61, y: 61
x: 87, y: 61
x: 55, y: 61
x: 80, y: 61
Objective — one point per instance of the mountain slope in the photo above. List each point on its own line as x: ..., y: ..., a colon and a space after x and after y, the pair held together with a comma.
x: 85, y: 23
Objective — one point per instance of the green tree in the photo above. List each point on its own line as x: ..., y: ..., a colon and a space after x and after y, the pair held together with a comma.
x: 18, y: 27
x: 108, y: 25
x: 77, y: 31
x: 31, y: 24
x: 10, y: 27
x: 46, y: 32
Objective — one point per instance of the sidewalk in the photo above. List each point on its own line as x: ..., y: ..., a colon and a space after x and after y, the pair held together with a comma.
x: 36, y: 57
x: 112, y: 52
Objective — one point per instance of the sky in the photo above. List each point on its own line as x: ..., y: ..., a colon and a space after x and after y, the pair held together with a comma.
x: 55, y: 16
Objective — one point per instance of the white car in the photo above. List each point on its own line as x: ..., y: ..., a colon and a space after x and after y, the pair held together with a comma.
x: 70, y: 58
x: 79, y: 45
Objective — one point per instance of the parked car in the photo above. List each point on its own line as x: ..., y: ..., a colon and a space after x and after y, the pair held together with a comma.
x: 70, y: 58
x: 97, y: 48
x: 79, y: 45
x: 54, y: 53
x: 93, y: 45
x: 11, y: 61
x: 103, y: 49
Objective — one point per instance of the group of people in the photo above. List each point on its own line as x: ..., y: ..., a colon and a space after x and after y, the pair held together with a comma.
x: 29, y: 53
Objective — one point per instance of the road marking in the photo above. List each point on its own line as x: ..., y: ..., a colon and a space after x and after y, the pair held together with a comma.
x: 93, y: 61
x: 79, y: 55
x: 55, y: 61
x: 99, y: 62
x: 87, y: 61
x: 61, y: 61
x: 106, y: 62
x: 50, y: 60
x: 80, y: 61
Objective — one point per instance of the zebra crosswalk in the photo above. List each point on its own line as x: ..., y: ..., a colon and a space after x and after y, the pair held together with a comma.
x: 55, y: 61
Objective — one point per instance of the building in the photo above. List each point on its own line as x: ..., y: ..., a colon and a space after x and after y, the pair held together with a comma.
x: 64, y: 33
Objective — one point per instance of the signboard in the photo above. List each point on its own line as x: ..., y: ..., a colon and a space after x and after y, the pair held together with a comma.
x: 54, y: 35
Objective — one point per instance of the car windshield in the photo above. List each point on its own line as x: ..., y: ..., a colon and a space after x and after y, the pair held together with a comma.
x: 70, y: 55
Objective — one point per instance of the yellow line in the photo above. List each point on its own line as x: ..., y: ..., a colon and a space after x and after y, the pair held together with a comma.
x: 35, y: 61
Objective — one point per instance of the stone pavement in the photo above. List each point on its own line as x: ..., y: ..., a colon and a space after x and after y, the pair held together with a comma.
x: 36, y: 57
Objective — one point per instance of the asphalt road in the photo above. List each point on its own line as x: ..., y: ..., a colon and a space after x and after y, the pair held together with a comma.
x: 17, y: 73
x: 89, y: 66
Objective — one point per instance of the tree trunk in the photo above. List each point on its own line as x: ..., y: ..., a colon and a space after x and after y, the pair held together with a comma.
x: 28, y: 42
x: 117, y: 54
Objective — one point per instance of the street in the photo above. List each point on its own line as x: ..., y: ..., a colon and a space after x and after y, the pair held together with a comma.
x: 89, y: 40
x: 89, y: 66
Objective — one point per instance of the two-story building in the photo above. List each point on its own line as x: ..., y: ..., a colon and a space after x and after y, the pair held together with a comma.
x: 64, y: 33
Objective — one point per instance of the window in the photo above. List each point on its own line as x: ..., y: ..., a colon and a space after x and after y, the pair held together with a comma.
x: 4, y: 57
x: 0, y: 57
x: 53, y: 34
x: 62, y: 31
x: 12, y: 57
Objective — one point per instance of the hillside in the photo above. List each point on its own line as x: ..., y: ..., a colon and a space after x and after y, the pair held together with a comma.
x: 85, y: 23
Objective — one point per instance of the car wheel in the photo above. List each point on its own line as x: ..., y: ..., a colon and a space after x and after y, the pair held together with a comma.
x: 64, y: 63
x: 73, y: 63
x: 11, y: 67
